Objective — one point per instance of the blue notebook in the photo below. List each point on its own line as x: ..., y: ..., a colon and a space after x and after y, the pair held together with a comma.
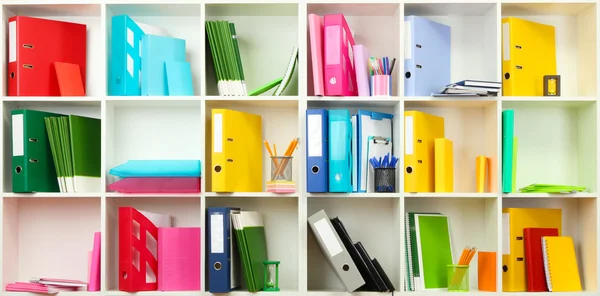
x: 179, y: 78
x: 157, y: 168
x: 156, y: 50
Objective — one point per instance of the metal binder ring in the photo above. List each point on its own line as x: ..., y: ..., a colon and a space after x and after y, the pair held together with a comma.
x: 315, y: 169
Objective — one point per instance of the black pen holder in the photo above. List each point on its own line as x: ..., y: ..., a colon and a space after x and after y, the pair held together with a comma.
x: 385, y: 180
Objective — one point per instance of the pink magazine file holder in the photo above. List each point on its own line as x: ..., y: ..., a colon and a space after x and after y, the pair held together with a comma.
x: 134, y: 230
x: 338, y: 70
x: 361, y: 65
x: 381, y: 85
x: 156, y: 185
x: 179, y: 258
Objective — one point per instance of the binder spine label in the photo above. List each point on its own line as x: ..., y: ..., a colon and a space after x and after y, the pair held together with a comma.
x: 216, y: 234
x: 218, y: 133
x: 506, y: 41
x: 12, y: 41
x: 17, y: 135
x: 408, y: 135
x: 329, y: 240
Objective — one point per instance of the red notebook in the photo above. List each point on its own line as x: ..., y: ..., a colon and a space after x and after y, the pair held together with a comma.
x: 534, y: 260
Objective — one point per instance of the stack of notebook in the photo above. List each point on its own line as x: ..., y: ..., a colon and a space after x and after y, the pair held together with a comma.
x: 226, y: 58
x: 157, y: 176
x: 75, y: 145
x: 228, y: 66
x: 471, y: 88
x: 46, y: 286
x: 252, y: 245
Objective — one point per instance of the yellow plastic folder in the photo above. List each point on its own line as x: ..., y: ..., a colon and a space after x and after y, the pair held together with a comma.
x: 528, y: 54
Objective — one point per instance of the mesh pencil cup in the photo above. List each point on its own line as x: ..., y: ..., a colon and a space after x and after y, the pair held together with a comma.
x: 458, y: 278
x: 385, y: 180
x: 281, y: 168
x: 381, y: 85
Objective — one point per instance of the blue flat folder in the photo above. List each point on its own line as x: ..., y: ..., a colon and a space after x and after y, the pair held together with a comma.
x: 157, y: 168
x: 156, y: 50
x: 426, y: 56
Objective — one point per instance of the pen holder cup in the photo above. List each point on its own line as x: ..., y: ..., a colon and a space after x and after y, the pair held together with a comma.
x: 281, y: 168
x: 385, y: 180
x: 458, y: 278
x: 381, y: 85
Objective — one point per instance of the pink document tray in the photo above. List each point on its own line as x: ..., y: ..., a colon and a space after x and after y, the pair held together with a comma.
x: 156, y: 185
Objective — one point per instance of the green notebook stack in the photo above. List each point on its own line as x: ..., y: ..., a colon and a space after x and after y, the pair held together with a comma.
x: 252, y: 245
x: 551, y: 188
x: 75, y: 145
x: 226, y: 58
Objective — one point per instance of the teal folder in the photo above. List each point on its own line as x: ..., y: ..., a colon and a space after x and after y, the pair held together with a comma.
x: 508, y: 125
x: 156, y: 50
x: 179, y: 78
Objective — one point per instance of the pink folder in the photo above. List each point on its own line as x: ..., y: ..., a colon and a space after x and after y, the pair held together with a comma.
x: 338, y: 72
x: 179, y: 258
x: 361, y: 61
x: 157, y: 185
x: 94, y: 280
x: 315, y: 25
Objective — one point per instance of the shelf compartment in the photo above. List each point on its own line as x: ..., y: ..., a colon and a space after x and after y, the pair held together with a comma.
x: 556, y: 144
x: 280, y: 218
x: 472, y: 222
x: 575, y: 25
x: 152, y: 130
x: 389, y: 107
x: 472, y: 126
x: 579, y: 220
x: 87, y: 108
x: 87, y: 14
x: 59, y: 248
x: 265, y: 56
x: 184, y: 212
x: 279, y: 127
x: 373, y: 222
x: 366, y: 21
x: 471, y: 58
x: 178, y: 20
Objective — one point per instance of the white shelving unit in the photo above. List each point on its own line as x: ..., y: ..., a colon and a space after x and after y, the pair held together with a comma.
x: 49, y: 234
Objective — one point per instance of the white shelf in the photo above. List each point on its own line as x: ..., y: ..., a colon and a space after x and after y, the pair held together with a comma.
x: 49, y: 234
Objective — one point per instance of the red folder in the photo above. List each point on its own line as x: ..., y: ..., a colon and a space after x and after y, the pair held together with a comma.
x: 34, y: 46
x: 534, y: 260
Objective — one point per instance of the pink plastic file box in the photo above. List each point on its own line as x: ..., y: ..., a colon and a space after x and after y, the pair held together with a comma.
x: 156, y: 185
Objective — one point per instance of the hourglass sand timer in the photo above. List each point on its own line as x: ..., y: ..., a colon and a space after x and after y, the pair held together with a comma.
x: 271, y: 275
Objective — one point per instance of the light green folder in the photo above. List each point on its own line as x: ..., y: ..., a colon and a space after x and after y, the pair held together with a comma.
x: 75, y: 144
x: 434, y: 250
x: 551, y: 188
x: 252, y: 244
